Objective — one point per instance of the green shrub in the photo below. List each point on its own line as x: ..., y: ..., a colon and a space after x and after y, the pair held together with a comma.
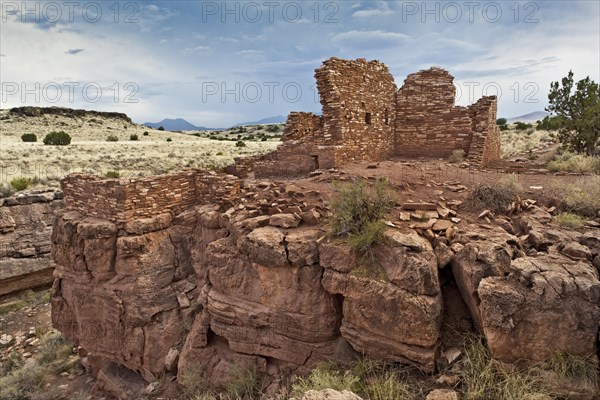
x: 239, y: 143
x: 21, y: 384
x: 59, y: 138
x: 521, y: 126
x: 570, y: 220
x: 161, y: 128
x: 55, y: 352
x: 357, y: 205
x: 273, y: 128
x: 112, y: 174
x: 501, y: 121
x: 382, y: 381
x: 20, y: 183
x: 457, y: 156
x: 29, y: 137
x: 219, y: 153
x: 263, y: 139
x: 504, y: 127
x: 145, y: 133
x: 169, y: 139
x: 112, y: 138
x: 133, y: 137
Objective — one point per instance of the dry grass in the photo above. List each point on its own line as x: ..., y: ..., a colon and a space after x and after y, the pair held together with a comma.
x: 581, y: 197
x: 90, y: 152
x: 570, y: 162
x: 515, y: 142
x: 496, y: 196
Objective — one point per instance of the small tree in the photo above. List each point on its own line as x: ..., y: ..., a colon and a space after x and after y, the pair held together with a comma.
x: 161, y: 128
x: 578, y: 112
x: 133, y: 137
x: 501, y: 121
x: 59, y: 138
x: 239, y: 143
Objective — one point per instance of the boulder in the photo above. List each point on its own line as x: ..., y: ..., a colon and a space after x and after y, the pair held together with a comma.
x: 545, y: 304
x: 385, y: 322
x: 264, y: 246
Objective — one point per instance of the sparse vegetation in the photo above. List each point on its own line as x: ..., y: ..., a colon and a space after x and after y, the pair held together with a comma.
x: 161, y: 128
x: 457, y: 156
x: 570, y: 220
x: 326, y: 376
x: 496, y: 197
x: 6, y: 190
x: 548, y: 124
x: 521, y: 126
x: 239, y: 143
x: 29, y: 137
x: 134, y: 137
x: 112, y: 138
x: 112, y: 174
x: 581, y: 197
x: 571, y: 162
x: 485, y: 378
x: 568, y: 366
x: 20, y: 183
x: 357, y: 211
x: 59, y: 138
x: 169, y: 139
x: 145, y: 133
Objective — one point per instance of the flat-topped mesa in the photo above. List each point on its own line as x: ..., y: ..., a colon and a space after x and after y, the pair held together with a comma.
x: 367, y: 118
x: 29, y: 111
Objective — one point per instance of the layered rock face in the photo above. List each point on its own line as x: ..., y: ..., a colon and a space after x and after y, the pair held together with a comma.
x: 25, y: 227
x: 256, y: 284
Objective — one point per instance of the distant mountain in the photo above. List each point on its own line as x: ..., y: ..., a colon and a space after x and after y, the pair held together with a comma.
x: 531, y: 117
x: 278, y: 119
x: 178, y: 124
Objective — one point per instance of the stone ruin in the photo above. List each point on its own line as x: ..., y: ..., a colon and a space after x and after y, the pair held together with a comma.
x: 367, y: 118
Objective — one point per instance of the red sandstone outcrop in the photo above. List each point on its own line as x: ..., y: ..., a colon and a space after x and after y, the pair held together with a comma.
x: 246, y: 281
x: 25, y: 226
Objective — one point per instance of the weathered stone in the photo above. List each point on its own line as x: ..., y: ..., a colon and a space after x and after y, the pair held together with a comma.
x: 546, y: 304
x: 337, y: 256
x: 265, y: 246
x: 577, y: 251
x: 285, y: 220
x: 302, y: 247
x: 399, y: 325
x: 444, y: 255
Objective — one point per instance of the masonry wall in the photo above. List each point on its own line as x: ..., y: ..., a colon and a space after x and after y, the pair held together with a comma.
x: 485, y: 146
x: 124, y: 200
x: 358, y: 108
x: 427, y: 122
x: 365, y: 118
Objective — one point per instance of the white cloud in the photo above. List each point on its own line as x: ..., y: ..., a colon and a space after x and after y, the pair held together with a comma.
x: 377, y: 9
x: 369, y: 39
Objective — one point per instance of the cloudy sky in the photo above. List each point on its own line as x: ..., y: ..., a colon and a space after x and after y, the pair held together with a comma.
x: 216, y: 63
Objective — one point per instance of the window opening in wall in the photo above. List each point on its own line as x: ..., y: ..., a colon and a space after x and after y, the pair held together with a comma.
x: 315, y: 162
x: 386, y: 119
x: 368, y: 118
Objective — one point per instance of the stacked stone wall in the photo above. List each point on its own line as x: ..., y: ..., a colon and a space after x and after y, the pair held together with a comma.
x: 485, y: 146
x: 358, y: 108
x: 427, y: 123
x: 124, y: 200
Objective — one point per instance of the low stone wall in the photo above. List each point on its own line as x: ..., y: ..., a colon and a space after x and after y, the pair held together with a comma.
x: 123, y: 200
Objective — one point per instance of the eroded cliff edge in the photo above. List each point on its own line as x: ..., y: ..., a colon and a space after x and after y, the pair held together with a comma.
x: 199, y: 273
